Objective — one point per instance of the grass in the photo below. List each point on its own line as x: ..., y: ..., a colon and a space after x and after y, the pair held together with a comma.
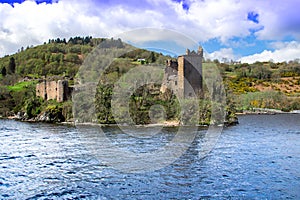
x: 21, y: 86
x: 136, y: 63
x: 231, y: 74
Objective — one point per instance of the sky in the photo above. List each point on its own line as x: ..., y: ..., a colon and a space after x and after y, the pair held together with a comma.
x: 239, y: 30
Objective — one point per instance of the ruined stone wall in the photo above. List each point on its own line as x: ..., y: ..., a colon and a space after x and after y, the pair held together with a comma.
x: 41, y: 90
x: 51, y: 90
x: 181, y: 76
x: 170, y: 77
x: 185, y: 75
x: 55, y: 90
x: 62, y: 90
x: 171, y: 68
x: 193, y: 75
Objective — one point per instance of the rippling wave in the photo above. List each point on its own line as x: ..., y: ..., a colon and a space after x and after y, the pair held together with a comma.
x: 258, y: 159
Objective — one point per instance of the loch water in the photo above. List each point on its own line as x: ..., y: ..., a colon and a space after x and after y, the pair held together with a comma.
x: 257, y: 159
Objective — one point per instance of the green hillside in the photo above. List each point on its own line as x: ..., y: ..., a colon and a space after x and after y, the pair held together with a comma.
x: 247, y: 86
x: 263, y: 85
x: 56, y: 59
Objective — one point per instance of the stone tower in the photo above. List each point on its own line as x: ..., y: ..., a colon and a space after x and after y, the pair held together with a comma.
x: 62, y: 90
x: 190, y: 73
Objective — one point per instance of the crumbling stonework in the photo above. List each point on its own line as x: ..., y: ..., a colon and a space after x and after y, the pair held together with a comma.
x: 40, y: 90
x: 56, y: 90
x: 184, y: 76
x: 51, y: 90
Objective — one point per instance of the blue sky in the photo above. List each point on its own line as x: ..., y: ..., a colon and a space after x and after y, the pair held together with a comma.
x: 246, y: 30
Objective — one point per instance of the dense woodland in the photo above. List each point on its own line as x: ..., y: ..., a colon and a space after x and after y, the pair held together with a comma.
x: 247, y: 86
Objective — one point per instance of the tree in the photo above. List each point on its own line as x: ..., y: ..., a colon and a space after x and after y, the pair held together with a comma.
x: 3, y: 71
x: 152, y: 57
x: 12, y: 65
x: 87, y: 40
x: 216, y: 61
x: 71, y: 40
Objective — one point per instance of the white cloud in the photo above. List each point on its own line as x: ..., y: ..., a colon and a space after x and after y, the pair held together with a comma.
x: 31, y: 24
x: 285, y: 52
x: 279, y: 18
x: 221, y: 19
x: 223, y: 55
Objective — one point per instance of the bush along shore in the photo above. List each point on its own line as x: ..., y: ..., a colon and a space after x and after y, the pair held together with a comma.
x: 249, y: 88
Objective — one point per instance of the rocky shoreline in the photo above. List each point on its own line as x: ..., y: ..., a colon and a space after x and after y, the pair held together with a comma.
x: 266, y: 111
x: 48, y: 117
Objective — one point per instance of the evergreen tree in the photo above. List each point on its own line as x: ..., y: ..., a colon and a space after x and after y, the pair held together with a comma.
x: 87, y: 40
x: 3, y: 71
x: 71, y: 41
x: 12, y: 65
x: 152, y: 57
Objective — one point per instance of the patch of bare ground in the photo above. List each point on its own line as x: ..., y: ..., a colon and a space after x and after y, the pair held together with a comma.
x: 287, y: 85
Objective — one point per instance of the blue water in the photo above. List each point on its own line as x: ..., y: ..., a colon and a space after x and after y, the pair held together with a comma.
x: 257, y: 159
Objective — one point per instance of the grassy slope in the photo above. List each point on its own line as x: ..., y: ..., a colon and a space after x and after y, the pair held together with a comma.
x: 280, y: 89
x: 21, y: 86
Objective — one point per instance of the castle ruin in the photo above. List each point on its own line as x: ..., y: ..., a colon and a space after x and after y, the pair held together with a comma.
x: 56, y: 90
x: 184, y: 76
